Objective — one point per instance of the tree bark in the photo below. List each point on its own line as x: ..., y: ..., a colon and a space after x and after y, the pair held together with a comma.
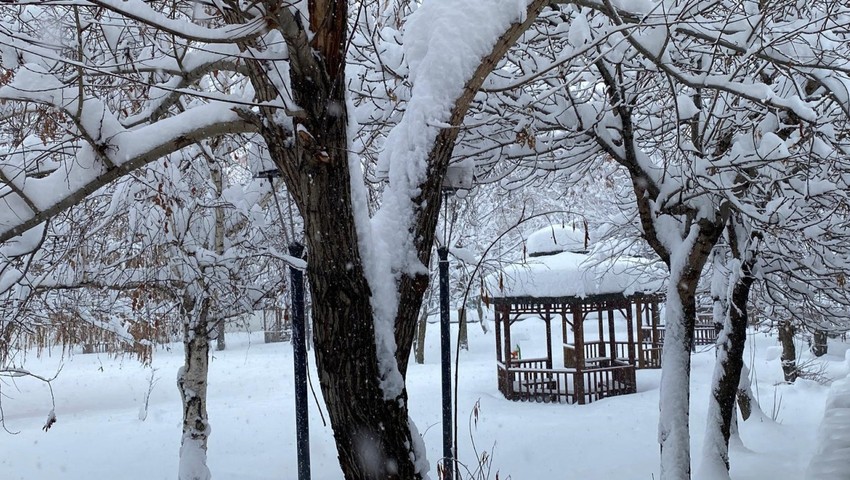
x: 462, y: 335
x: 218, y: 183
x: 727, y: 375
x: 789, y: 351
x: 220, y: 343
x: 479, y: 306
x: 820, y: 344
x: 374, y: 437
x: 420, y: 336
x: 192, y: 383
x: 686, y: 264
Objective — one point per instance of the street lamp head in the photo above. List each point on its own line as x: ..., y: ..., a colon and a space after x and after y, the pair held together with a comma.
x: 271, y: 173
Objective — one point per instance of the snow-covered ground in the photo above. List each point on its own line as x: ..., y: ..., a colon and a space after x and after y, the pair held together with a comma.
x: 99, y: 435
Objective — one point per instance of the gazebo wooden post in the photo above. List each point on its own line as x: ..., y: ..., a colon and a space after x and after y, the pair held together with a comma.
x: 564, y: 333
x: 601, y: 341
x: 630, y: 330
x: 569, y: 353
x: 578, y: 329
x: 499, y: 346
x: 654, y: 314
x: 506, y: 316
x: 613, y: 340
x: 639, y: 324
x: 548, y: 318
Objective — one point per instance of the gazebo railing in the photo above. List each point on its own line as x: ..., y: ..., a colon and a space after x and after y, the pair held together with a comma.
x: 602, y: 350
x: 529, y: 380
x: 705, y: 335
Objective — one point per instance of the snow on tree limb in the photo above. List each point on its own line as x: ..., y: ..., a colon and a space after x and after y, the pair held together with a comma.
x: 119, y: 152
x: 141, y: 12
x: 417, y: 151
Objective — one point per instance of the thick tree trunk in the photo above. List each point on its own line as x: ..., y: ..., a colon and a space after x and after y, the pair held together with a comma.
x: 373, y: 436
x: 367, y: 403
x: 192, y: 383
x: 727, y: 377
x: 361, y: 366
x: 789, y: 351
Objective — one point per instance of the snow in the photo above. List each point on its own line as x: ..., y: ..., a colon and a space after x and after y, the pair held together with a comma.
x: 686, y: 107
x: 832, y: 459
x: 570, y: 274
x: 193, y: 461
x: 557, y: 238
x: 98, y: 433
x: 137, y: 9
x: 438, y: 80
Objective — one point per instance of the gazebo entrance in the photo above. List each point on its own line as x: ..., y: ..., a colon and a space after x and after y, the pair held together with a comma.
x: 596, y: 363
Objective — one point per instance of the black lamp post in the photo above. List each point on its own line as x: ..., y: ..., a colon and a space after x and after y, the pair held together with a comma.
x: 446, y: 363
x: 299, y: 346
x: 458, y: 180
x: 299, y: 353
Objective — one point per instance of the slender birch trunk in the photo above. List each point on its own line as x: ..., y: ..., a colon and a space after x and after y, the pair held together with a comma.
x: 192, y: 383
x: 218, y: 182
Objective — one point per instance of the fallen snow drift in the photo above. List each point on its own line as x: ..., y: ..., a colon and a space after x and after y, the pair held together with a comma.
x: 832, y: 458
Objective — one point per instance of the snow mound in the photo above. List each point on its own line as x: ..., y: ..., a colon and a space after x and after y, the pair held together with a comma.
x: 832, y: 457
x: 772, y: 353
x: 557, y: 239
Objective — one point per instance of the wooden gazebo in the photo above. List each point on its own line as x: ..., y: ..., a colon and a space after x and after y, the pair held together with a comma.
x: 609, y: 314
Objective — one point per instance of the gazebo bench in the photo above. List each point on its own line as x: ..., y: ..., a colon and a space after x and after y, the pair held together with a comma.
x: 542, y: 390
x: 611, y: 388
x: 597, y: 362
x: 540, y: 384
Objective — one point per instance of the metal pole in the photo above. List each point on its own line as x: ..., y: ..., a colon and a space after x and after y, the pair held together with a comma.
x: 299, y: 350
x: 446, y: 356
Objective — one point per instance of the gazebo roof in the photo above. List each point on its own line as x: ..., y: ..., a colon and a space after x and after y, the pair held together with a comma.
x: 557, y: 238
x: 576, y: 275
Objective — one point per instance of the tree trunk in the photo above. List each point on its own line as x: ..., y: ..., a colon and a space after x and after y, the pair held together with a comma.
x: 819, y: 343
x: 360, y: 355
x: 747, y: 400
x: 419, y: 345
x: 673, y: 432
x: 218, y: 247
x: 727, y: 375
x: 686, y: 264
x: 219, y: 336
x: 374, y: 439
x: 789, y: 351
x: 462, y: 335
x: 192, y: 383
x: 479, y: 306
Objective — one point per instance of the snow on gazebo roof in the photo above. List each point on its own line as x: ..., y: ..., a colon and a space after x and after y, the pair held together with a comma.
x: 576, y: 275
x: 556, y: 239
